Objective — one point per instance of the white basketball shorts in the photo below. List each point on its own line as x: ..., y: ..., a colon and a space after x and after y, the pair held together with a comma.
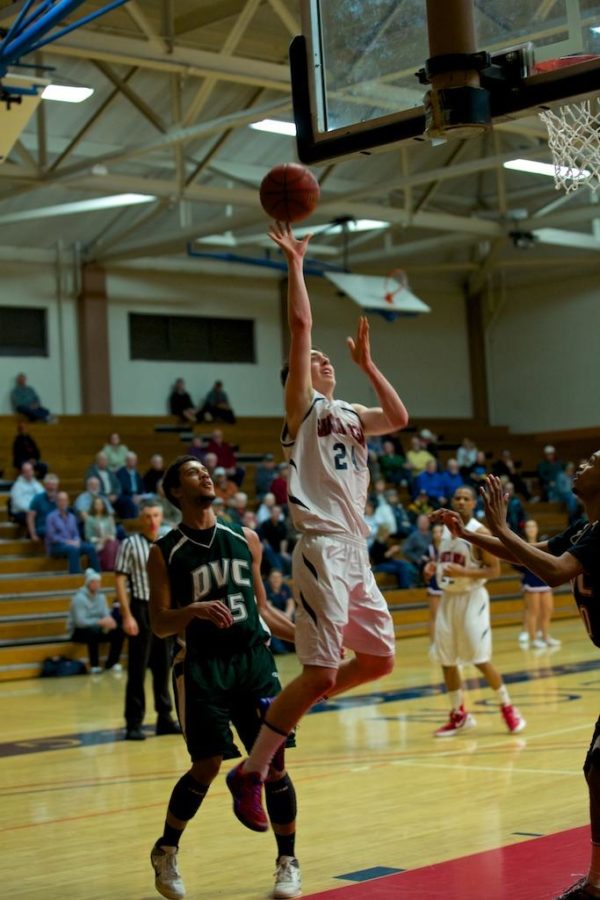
x: 462, y: 628
x: 338, y: 603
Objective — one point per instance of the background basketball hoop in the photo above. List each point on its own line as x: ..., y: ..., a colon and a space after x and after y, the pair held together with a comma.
x: 395, y: 282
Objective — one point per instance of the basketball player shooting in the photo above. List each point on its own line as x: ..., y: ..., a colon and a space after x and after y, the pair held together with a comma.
x: 338, y: 603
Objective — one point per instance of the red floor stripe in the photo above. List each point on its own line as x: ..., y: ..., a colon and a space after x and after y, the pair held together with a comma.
x: 536, y: 869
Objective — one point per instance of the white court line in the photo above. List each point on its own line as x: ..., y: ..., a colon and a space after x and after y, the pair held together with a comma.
x: 513, y: 770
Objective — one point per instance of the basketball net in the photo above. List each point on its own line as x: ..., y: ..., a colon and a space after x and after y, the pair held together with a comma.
x: 574, y: 141
x: 395, y: 282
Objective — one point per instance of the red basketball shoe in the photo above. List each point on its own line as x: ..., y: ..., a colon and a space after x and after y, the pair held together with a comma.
x: 459, y: 720
x: 246, y: 790
x: 513, y: 718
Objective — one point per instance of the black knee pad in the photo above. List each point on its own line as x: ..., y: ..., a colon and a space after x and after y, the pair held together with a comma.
x: 186, y: 798
x: 281, y: 800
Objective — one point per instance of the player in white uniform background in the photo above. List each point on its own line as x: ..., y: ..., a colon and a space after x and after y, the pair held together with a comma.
x: 463, y: 631
x: 337, y: 601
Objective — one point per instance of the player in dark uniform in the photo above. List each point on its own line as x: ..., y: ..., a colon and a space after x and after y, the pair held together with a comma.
x: 205, y: 587
x: 571, y: 556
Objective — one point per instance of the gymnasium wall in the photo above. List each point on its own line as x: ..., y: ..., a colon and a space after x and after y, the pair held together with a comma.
x: 543, y: 364
x: 55, y: 377
x: 410, y: 351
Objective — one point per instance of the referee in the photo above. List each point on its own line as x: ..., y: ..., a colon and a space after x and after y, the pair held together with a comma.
x: 145, y: 649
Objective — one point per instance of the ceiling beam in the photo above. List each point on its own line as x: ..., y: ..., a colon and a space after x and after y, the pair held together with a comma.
x: 155, y: 40
x: 85, y: 44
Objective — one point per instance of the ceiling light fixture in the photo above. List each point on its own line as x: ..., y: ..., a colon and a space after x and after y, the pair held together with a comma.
x: 274, y: 126
x: 67, y: 92
x: 539, y: 168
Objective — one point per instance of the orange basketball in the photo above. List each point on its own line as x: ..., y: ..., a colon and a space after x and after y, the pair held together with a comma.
x: 289, y: 192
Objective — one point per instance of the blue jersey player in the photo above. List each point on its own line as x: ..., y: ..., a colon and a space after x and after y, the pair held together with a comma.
x: 571, y: 556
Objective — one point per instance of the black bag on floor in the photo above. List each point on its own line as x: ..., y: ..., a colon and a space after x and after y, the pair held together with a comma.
x: 60, y: 666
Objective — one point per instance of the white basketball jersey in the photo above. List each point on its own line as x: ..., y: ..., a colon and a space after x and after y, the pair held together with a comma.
x: 455, y: 550
x: 329, y: 477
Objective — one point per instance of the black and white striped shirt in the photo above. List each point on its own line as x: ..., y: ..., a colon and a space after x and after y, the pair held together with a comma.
x: 131, y: 561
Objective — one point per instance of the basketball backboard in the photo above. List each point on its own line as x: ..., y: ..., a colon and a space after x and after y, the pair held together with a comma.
x: 354, y: 68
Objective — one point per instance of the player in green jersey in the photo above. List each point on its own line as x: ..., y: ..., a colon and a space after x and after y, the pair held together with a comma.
x: 205, y: 588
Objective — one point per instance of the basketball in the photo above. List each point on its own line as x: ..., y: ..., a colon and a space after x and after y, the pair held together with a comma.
x: 289, y: 192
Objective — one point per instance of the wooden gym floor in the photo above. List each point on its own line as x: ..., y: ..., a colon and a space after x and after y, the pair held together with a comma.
x: 385, y: 810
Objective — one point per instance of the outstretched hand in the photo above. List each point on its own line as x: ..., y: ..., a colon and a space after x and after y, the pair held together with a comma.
x: 450, y: 519
x: 495, y: 500
x: 360, y: 348
x: 281, y: 234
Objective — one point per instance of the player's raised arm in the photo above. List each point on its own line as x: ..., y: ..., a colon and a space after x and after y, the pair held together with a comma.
x: 298, y: 386
x: 391, y: 415
x: 554, y: 570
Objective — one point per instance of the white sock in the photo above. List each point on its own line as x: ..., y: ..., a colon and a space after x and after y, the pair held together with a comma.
x: 456, y: 699
x: 502, y: 694
x: 265, y: 747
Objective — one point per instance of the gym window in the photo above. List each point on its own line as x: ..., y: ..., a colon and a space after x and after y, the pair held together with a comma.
x: 23, y: 331
x: 191, y: 339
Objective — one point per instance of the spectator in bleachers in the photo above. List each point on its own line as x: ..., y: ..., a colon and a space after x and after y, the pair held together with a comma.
x: 25, y: 400
x: 109, y: 483
x: 62, y: 537
x: 221, y: 510
x: 564, y: 493
x: 198, y: 450
x: 171, y: 515
x: 416, y: 545
x: 274, y: 536
x: 225, y: 456
x: 417, y: 457
x: 403, y: 526
x: 506, y: 466
x: 384, y: 514
x: 429, y: 441
x: 91, y: 623
x: 41, y: 505
x: 384, y: 557
x: 225, y: 488
x: 116, y: 452
x: 371, y: 521
x: 100, y: 530
x: 393, y: 465
x: 515, y: 513
x: 210, y: 463
x: 466, y: 456
x: 216, y: 406
x: 279, y: 595
x: 264, y: 475
x: 548, y: 471
x: 84, y: 501
x: 452, y: 478
x: 238, y: 505
x: 25, y: 449
x: 24, y: 489
x: 249, y: 520
x: 420, y: 506
x: 432, y: 483
x: 132, y: 488
x: 154, y: 474
x: 264, y: 510
x: 279, y: 485
x: 478, y: 471
x: 180, y: 403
